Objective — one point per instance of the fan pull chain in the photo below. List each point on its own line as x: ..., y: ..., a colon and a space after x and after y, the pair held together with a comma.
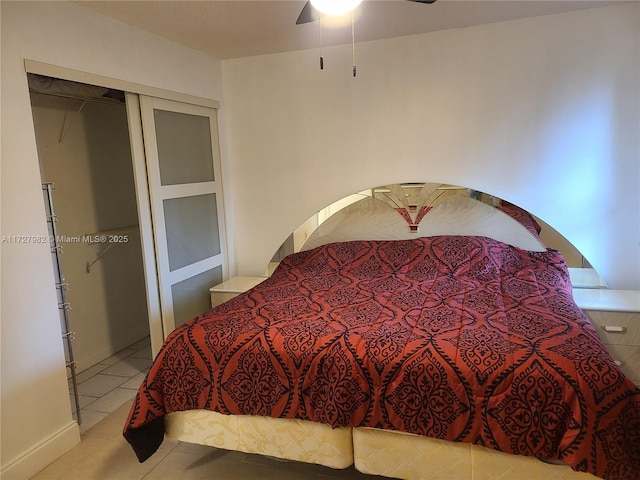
x: 320, y: 32
x: 353, y: 45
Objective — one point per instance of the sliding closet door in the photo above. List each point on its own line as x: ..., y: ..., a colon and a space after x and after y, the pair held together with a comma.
x: 185, y: 198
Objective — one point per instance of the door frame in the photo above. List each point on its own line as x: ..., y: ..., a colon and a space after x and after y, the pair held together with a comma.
x: 133, y: 90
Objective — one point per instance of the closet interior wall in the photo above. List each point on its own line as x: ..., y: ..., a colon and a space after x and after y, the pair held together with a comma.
x: 84, y: 150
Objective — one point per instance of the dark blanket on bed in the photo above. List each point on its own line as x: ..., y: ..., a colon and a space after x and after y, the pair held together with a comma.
x: 458, y: 338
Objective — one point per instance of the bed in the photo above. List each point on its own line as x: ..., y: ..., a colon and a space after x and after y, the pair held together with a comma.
x: 422, y: 341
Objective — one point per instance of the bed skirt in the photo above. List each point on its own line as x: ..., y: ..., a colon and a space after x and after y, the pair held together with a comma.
x: 412, y: 457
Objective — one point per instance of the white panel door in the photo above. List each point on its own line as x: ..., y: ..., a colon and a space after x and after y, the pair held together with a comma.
x: 186, y: 204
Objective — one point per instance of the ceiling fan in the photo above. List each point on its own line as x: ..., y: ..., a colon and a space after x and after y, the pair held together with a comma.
x: 309, y: 12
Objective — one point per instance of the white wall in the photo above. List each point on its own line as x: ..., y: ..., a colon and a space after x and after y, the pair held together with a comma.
x: 36, y: 424
x: 543, y: 112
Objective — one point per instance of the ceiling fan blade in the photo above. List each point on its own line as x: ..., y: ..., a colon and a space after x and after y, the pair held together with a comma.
x: 423, y: 1
x: 307, y: 14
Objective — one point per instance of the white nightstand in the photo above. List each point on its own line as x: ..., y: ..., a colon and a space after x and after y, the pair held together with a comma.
x: 232, y: 288
x: 616, y: 316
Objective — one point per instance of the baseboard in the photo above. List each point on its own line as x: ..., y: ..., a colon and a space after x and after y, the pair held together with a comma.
x: 43, y: 454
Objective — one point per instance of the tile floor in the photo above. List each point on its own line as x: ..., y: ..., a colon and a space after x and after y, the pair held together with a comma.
x: 106, y: 391
x: 109, y: 384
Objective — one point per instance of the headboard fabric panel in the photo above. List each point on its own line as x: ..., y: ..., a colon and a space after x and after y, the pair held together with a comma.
x: 371, y: 219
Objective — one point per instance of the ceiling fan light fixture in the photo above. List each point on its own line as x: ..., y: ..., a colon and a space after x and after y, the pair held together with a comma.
x: 335, y: 7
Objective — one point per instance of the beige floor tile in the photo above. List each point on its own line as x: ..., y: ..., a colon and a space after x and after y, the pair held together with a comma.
x: 128, y: 367
x: 274, y: 471
x: 185, y: 466
x: 139, y: 345
x: 90, y: 419
x: 68, y: 462
x: 112, y: 426
x: 100, y: 385
x: 84, y: 401
x: 113, y: 359
x: 112, y: 400
x: 88, y: 373
x: 143, y: 353
x: 116, y: 461
x: 99, y: 459
x: 135, y: 382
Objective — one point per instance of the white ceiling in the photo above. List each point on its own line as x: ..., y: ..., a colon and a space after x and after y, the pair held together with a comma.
x: 239, y: 28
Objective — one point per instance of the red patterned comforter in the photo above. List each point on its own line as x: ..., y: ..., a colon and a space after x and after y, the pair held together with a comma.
x: 459, y: 338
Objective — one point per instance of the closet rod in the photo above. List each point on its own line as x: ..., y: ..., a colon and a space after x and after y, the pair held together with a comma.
x: 105, y: 101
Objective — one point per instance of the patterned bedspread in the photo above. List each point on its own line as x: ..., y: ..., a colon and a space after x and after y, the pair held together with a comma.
x: 459, y: 338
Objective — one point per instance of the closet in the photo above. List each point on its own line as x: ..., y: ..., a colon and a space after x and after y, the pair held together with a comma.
x: 137, y: 188
x: 85, y: 158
